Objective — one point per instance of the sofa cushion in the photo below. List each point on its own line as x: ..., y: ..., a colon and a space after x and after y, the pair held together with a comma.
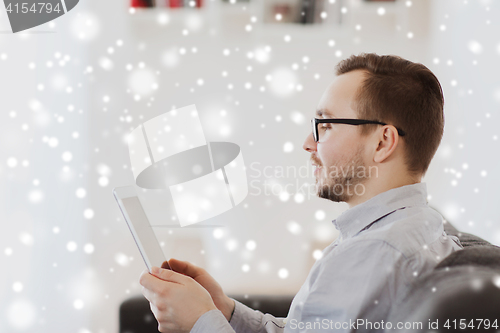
x: 136, y: 316
x: 276, y: 305
x: 457, y: 293
x: 487, y: 255
x: 465, y: 239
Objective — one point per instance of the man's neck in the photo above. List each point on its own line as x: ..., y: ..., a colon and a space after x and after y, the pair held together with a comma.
x: 375, y: 186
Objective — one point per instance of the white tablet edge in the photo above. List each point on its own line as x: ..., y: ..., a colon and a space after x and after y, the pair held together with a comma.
x: 125, y: 192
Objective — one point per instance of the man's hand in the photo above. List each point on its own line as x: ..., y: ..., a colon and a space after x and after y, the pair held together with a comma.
x: 221, y: 301
x: 177, y: 301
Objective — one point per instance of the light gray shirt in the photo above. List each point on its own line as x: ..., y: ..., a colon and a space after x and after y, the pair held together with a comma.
x: 384, y: 245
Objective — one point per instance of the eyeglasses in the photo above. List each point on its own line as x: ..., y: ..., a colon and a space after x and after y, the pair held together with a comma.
x: 316, y: 121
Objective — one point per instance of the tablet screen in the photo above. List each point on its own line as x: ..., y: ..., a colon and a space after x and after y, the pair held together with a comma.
x: 143, y: 232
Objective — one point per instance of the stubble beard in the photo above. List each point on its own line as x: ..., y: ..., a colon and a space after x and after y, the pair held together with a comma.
x: 336, y: 186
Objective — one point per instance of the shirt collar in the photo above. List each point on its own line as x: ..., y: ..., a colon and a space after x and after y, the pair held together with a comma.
x: 353, y: 220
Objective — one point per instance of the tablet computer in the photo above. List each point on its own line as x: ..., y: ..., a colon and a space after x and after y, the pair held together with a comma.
x: 139, y: 226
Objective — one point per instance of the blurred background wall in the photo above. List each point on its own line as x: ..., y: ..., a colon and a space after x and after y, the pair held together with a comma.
x: 72, y: 89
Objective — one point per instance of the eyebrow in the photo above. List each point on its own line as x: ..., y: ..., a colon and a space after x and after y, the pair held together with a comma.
x: 324, y: 112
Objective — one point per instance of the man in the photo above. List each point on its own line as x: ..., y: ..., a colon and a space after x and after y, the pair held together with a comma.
x: 378, y: 125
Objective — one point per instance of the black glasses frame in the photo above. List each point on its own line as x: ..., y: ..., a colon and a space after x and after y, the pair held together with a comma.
x: 316, y: 121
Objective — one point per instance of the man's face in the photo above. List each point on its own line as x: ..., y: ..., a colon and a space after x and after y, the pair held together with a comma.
x: 340, y: 153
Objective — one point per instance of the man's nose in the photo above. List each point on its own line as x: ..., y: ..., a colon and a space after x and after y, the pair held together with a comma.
x: 309, y: 145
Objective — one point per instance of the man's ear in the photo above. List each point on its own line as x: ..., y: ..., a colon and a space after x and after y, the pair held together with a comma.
x: 387, y: 142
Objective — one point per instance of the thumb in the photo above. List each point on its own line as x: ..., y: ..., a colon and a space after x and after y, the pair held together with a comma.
x: 185, y: 267
x: 168, y: 275
x: 165, y: 265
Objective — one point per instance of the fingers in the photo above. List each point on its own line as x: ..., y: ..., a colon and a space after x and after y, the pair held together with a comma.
x: 144, y: 278
x: 159, y: 286
x: 148, y: 294
x: 150, y: 283
x: 176, y: 300
x: 156, y: 284
x: 157, y: 315
x: 186, y: 268
x: 169, y: 275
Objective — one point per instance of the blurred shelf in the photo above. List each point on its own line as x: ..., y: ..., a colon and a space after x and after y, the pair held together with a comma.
x: 233, y: 18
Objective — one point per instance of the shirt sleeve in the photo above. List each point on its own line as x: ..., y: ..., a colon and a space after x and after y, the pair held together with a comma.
x: 243, y: 320
x: 359, y: 281
x: 247, y: 320
x: 212, y: 321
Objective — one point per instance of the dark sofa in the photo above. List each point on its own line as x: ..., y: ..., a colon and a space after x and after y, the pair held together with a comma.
x: 463, y: 286
x: 462, y: 293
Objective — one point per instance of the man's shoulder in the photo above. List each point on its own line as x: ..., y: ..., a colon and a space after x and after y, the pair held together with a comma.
x: 406, y: 230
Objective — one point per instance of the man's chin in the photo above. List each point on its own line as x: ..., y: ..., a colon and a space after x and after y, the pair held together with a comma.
x: 333, y: 198
x: 326, y: 191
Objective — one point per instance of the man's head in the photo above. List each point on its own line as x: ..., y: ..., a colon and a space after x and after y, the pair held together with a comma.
x: 388, y: 89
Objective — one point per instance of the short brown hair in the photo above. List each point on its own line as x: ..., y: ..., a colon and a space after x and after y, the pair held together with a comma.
x: 404, y: 94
